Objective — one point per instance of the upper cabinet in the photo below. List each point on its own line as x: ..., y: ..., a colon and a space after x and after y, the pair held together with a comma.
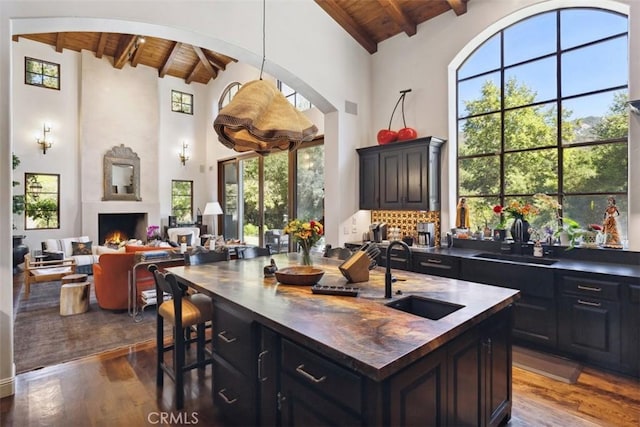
x: 401, y: 176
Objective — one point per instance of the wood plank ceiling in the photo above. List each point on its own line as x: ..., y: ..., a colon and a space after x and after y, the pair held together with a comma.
x: 369, y: 22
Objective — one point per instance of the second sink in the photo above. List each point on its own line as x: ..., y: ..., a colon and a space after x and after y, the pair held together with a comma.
x: 425, y: 307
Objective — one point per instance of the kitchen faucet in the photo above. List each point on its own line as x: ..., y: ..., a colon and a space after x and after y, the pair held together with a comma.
x: 387, y: 275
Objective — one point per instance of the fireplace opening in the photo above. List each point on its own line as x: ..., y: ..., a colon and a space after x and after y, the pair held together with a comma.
x: 116, y: 228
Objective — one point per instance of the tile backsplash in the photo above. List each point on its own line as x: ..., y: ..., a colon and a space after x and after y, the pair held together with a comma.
x: 407, y: 221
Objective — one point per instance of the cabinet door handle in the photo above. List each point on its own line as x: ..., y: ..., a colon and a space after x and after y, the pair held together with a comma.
x: 225, y: 398
x: 224, y: 338
x: 434, y: 261
x: 589, y: 288
x: 307, y: 375
x: 593, y: 304
x: 260, y: 360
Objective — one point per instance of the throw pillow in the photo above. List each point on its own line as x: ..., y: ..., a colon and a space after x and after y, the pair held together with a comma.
x: 184, y: 238
x: 81, y: 248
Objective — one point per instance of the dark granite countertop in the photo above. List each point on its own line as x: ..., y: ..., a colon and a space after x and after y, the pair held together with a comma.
x: 358, y: 332
x: 564, y: 260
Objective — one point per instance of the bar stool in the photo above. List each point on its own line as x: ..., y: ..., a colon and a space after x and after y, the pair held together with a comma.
x: 182, y: 312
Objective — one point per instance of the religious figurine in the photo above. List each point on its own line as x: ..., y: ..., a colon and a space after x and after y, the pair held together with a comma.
x: 610, y: 224
x: 462, y: 214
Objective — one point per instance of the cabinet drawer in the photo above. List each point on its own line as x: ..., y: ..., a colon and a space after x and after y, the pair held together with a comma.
x: 232, y: 338
x: 233, y: 394
x: 590, y: 288
x: 322, y: 375
x: 437, y: 265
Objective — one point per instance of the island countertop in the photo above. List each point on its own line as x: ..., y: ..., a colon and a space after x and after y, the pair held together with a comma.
x: 358, y: 332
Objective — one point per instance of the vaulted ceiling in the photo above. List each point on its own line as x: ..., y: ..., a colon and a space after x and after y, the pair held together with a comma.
x: 369, y: 22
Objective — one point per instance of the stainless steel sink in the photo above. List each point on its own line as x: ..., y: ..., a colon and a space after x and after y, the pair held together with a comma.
x: 516, y: 258
x: 424, y: 307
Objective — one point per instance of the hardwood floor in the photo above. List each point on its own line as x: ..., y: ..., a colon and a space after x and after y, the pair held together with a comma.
x: 117, y: 388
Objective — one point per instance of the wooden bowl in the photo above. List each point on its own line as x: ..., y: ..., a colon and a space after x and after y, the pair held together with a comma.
x: 303, y: 275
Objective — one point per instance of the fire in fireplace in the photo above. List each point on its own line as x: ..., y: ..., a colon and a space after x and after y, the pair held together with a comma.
x: 115, y: 228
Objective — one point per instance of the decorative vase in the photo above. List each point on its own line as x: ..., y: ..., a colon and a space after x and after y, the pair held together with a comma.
x: 520, y: 230
x: 306, y: 256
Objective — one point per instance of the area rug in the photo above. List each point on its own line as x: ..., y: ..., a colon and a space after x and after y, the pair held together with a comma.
x: 550, y: 366
x: 42, y: 337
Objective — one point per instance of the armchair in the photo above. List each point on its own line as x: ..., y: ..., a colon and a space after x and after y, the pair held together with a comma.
x: 45, y: 271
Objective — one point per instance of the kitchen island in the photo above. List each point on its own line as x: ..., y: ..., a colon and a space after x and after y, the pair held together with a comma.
x: 283, y: 355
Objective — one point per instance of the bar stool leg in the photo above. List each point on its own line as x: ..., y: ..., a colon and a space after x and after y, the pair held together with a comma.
x: 159, y: 349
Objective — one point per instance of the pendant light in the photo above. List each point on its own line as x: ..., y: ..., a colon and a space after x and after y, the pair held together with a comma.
x: 259, y: 118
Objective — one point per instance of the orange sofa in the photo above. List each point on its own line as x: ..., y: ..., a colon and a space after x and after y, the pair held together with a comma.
x: 111, y: 277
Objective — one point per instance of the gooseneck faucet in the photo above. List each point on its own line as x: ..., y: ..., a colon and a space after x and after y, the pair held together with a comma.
x: 387, y: 275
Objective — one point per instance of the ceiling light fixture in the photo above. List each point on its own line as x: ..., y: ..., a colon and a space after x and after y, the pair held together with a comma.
x: 259, y: 118
x: 44, y: 143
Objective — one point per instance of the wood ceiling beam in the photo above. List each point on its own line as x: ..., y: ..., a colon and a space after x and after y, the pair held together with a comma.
x: 215, y: 61
x: 125, y: 44
x: 136, y: 56
x: 205, y: 62
x: 15, y: 38
x: 102, y: 42
x: 172, y: 57
x: 60, y: 42
x: 194, y: 72
x: 392, y: 8
x: 351, y: 26
x: 458, y: 6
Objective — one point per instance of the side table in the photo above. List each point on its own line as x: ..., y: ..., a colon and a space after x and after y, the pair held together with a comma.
x: 74, y: 294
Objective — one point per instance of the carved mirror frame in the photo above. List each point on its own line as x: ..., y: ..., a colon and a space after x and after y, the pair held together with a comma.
x: 121, y: 156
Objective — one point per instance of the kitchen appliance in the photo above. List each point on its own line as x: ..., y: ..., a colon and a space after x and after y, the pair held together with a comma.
x: 378, y: 232
x: 426, y: 234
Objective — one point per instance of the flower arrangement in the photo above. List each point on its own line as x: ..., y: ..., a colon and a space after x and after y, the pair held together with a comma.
x: 306, y: 234
x: 517, y: 209
x: 153, y: 232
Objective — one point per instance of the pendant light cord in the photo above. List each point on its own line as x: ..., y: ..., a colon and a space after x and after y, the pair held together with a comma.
x: 264, y: 36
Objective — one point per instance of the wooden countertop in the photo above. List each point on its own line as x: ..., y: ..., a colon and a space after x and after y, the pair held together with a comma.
x: 358, y: 332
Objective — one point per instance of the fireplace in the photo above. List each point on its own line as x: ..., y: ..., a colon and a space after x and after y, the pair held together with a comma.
x: 114, y: 228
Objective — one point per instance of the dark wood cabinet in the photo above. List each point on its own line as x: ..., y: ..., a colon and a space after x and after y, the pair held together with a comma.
x: 535, y: 318
x: 400, y: 176
x: 481, y: 360
x: 589, y: 319
x: 630, y: 342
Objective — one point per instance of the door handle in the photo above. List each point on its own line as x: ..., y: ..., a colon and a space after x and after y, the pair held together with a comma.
x: 310, y: 377
x: 224, y: 338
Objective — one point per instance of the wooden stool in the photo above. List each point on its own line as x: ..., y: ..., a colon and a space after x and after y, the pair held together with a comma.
x: 74, y: 278
x: 74, y: 298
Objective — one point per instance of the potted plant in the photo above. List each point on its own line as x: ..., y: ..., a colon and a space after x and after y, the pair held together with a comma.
x: 569, y: 232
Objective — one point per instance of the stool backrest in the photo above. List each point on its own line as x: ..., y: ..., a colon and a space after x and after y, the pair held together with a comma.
x: 202, y: 257
x: 254, y: 251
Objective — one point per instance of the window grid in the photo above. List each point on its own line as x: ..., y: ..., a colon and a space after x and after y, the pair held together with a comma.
x: 182, y: 200
x: 42, y: 201
x: 41, y: 73
x: 484, y: 197
x: 181, y: 102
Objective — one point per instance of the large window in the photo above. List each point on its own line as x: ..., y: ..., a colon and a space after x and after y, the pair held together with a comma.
x: 541, y: 108
x: 42, y: 201
x: 182, y: 200
x: 260, y: 194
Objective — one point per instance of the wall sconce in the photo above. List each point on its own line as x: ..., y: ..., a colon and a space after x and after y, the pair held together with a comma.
x: 184, y: 156
x: 634, y: 107
x: 43, y: 143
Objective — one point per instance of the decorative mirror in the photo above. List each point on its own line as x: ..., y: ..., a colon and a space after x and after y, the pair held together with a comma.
x: 121, y: 174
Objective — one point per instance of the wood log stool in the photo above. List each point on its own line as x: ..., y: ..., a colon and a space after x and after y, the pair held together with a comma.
x: 74, y: 294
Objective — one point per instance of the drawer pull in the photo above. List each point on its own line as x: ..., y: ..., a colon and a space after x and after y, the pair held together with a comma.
x: 593, y: 304
x: 224, y: 338
x: 434, y: 261
x: 225, y: 398
x: 260, y: 362
x: 589, y: 288
x: 307, y: 375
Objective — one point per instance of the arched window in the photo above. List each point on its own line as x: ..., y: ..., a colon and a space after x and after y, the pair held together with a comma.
x: 228, y: 93
x: 542, y: 108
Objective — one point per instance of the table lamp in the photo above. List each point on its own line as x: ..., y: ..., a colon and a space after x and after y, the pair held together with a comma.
x: 213, y: 209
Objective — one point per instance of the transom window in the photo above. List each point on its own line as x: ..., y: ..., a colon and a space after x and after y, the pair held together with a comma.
x: 181, y: 102
x: 41, y: 73
x: 300, y: 102
x: 42, y: 201
x: 228, y: 94
x: 182, y: 200
x: 542, y: 108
